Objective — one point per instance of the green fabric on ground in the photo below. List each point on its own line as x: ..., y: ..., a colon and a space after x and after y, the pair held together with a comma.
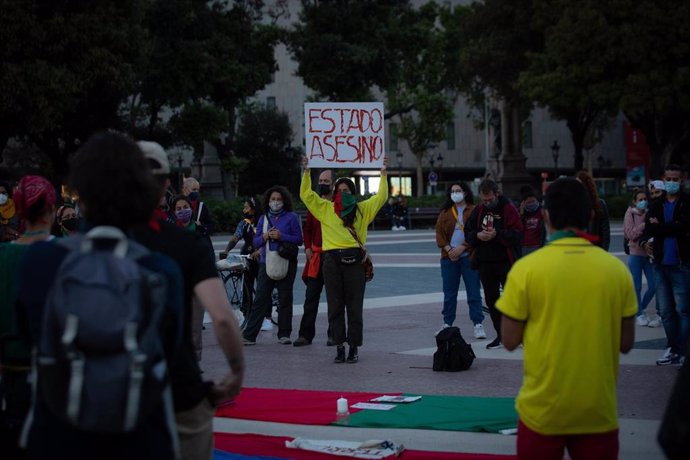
x: 455, y: 413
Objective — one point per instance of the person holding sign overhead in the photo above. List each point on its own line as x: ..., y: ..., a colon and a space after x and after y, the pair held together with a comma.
x: 344, y: 225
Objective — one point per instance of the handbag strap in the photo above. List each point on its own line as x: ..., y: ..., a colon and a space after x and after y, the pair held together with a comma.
x: 353, y: 232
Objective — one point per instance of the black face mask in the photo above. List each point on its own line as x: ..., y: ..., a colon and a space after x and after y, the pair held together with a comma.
x: 324, y: 189
x: 70, y: 224
x: 492, y: 205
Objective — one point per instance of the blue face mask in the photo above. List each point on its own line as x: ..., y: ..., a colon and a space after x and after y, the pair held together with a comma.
x: 531, y: 207
x: 194, y: 196
x: 641, y: 205
x: 672, y: 188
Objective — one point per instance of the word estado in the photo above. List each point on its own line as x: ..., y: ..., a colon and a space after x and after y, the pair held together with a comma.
x: 345, y: 135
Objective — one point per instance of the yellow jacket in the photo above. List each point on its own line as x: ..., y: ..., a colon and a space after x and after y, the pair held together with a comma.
x: 334, y: 233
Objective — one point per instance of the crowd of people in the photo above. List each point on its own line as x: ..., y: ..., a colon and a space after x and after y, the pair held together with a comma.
x: 492, y: 244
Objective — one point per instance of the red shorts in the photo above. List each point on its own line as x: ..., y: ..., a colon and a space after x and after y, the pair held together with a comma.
x: 534, y: 446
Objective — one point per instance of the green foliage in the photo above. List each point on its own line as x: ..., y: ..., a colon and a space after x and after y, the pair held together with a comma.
x: 226, y: 213
x: 195, y: 123
x: 263, y: 140
x: 617, y: 205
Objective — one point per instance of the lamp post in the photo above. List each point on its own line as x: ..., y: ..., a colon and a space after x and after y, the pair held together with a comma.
x: 399, y: 157
x: 179, y: 172
x: 555, y: 148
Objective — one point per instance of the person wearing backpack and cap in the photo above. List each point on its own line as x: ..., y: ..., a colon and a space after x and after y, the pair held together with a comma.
x: 103, y: 314
x: 194, y: 398
x: 344, y: 225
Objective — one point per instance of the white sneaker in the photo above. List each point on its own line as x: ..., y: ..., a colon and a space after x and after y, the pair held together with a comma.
x: 642, y: 320
x: 402, y: 229
x: 655, y: 321
x: 479, y: 331
x: 267, y: 325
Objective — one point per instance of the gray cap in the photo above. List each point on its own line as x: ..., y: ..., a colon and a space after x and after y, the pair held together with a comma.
x: 657, y: 185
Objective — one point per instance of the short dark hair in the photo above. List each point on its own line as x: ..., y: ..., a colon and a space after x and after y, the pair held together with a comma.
x: 287, y: 198
x: 673, y: 167
x: 180, y: 197
x: 113, y: 180
x: 469, y: 196
x: 527, y: 191
x: 487, y: 185
x: 568, y: 204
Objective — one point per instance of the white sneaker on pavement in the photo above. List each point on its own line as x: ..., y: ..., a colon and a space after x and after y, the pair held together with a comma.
x: 479, y: 331
x: 642, y: 320
x: 267, y: 325
x: 655, y: 321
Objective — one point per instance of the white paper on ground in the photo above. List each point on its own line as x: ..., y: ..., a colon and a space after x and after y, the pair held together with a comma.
x: 372, y: 406
x: 396, y: 399
x: 374, y: 449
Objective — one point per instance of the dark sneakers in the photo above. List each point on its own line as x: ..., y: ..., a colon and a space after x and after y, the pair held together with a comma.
x: 352, y: 356
x: 340, y: 355
x: 496, y: 343
x: 301, y: 341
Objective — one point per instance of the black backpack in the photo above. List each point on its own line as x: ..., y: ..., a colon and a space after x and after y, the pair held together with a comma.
x: 453, y: 353
x: 100, y: 361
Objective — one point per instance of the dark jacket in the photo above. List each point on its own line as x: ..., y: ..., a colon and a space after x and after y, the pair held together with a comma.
x: 679, y: 228
x: 601, y: 227
x: 506, y: 247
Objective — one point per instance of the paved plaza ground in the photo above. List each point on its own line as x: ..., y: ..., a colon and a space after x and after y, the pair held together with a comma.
x: 402, y: 312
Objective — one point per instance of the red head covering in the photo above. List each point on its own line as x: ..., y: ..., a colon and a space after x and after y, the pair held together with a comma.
x: 32, y: 190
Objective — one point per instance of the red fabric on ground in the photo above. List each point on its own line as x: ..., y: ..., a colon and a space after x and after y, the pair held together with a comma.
x: 274, y: 446
x: 303, y: 407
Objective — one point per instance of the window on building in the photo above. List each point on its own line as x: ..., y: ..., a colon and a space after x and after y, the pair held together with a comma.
x: 270, y: 102
x: 527, y: 135
x: 450, y: 135
x: 393, y: 137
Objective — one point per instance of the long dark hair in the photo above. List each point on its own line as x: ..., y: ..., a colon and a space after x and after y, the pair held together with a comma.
x: 469, y: 196
x: 591, y: 188
x: 348, y: 220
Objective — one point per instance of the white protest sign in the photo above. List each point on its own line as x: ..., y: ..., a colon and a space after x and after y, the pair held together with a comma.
x: 344, y: 134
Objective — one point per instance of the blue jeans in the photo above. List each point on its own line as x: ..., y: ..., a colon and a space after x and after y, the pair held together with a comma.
x: 673, y: 299
x: 451, y: 273
x: 637, y: 265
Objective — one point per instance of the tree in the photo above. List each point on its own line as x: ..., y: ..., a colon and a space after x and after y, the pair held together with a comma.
x: 263, y: 139
x: 655, y: 79
x: 571, y: 75
x: 66, y: 68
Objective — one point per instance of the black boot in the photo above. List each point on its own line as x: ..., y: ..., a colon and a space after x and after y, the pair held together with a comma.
x: 352, y: 355
x: 340, y: 355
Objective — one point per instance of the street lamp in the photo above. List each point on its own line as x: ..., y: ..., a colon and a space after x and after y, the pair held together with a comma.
x: 555, y: 148
x: 399, y: 157
x: 179, y: 172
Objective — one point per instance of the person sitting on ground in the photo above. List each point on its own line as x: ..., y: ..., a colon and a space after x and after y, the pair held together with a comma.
x: 572, y: 332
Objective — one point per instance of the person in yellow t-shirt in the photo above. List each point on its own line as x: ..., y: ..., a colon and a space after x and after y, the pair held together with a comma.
x: 568, y: 395
x: 343, y: 222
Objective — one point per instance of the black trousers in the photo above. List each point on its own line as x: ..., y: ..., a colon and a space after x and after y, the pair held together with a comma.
x: 312, y: 296
x: 262, y: 302
x: 493, y: 276
x: 345, y: 294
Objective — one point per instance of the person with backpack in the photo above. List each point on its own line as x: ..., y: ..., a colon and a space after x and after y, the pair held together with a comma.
x: 104, y: 315
x: 638, y: 260
x: 35, y: 201
x: 572, y: 333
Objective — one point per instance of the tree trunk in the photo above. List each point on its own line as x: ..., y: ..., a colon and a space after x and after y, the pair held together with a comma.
x: 226, y: 150
x: 420, y: 175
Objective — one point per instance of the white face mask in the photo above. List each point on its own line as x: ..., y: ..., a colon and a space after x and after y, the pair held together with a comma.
x: 275, y: 205
x: 3, y: 198
x: 457, y: 197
